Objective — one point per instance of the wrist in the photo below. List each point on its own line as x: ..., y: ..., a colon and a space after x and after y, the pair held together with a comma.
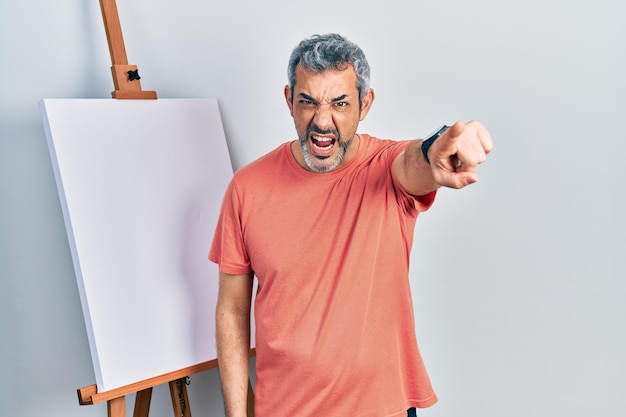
x: 427, y: 143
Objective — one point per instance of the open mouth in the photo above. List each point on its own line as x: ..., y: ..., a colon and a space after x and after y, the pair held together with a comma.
x: 322, y: 144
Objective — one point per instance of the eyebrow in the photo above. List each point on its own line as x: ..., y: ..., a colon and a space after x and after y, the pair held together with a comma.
x: 334, y: 100
x: 340, y: 98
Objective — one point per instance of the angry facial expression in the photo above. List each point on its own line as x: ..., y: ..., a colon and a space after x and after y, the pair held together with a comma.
x: 326, y: 111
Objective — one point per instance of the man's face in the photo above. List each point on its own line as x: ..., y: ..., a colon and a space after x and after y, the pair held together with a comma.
x: 325, y: 108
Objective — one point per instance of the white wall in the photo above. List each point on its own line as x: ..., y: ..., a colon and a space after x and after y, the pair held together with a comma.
x: 519, y: 282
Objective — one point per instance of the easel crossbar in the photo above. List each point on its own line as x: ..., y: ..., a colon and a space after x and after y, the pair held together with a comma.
x: 89, y: 395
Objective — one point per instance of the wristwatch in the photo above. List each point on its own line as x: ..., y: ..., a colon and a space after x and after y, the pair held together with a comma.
x: 426, y: 144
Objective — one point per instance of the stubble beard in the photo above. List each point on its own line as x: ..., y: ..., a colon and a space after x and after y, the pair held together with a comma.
x: 310, y: 160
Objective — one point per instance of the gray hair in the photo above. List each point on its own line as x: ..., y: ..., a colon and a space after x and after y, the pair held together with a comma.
x: 330, y: 52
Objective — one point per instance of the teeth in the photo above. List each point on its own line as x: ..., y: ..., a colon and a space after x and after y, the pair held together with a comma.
x: 322, y: 139
x: 323, y: 148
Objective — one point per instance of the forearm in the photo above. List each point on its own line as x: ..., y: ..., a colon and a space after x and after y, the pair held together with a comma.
x: 233, y: 352
x: 413, y: 172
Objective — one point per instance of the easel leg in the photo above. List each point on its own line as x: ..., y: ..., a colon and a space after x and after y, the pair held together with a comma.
x: 116, y: 407
x: 142, y: 403
x: 180, y: 401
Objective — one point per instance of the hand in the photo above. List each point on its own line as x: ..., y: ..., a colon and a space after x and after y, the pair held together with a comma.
x: 455, y: 156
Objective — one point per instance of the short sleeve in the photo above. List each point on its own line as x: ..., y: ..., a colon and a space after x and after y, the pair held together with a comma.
x: 228, y: 248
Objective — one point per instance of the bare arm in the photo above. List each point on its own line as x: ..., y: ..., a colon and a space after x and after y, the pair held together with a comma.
x: 454, y: 158
x: 233, y: 340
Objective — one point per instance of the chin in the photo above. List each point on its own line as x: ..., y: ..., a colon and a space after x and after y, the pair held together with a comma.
x: 327, y: 165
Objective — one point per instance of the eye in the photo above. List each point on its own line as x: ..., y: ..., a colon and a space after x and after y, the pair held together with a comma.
x: 341, y: 106
x: 305, y: 102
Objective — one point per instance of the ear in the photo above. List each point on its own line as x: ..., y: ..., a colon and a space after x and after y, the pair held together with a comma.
x: 288, y: 99
x: 366, y: 104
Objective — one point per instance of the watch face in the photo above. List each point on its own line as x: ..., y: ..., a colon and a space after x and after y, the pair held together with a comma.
x: 436, y: 133
x: 427, y: 142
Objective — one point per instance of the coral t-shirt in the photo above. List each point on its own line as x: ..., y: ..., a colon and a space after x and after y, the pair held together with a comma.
x: 335, y: 332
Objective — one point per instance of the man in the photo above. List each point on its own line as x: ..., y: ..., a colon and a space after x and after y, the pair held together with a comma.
x: 326, y: 224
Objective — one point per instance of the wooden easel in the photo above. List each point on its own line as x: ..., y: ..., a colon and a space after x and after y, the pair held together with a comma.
x: 177, y: 380
x: 127, y: 86
x: 125, y: 77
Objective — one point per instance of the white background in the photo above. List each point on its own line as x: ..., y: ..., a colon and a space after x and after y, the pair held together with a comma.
x: 518, y: 280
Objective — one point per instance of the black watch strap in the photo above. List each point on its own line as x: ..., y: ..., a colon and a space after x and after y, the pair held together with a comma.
x: 427, y: 143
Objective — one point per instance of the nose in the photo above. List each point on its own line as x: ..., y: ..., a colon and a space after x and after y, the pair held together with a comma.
x: 323, y: 116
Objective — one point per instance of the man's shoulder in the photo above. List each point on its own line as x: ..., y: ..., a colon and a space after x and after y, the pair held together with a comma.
x: 265, y: 162
x: 374, y: 141
x: 374, y: 145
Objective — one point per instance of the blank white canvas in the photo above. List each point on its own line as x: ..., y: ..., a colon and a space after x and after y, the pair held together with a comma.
x: 140, y: 185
